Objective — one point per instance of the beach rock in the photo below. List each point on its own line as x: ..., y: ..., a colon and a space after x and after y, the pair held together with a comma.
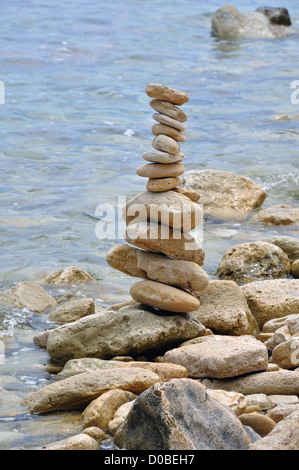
x: 166, y: 144
x: 156, y: 156
x: 260, y: 423
x: 163, y: 184
x: 180, y: 415
x: 230, y: 24
x: 192, y: 195
x: 79, y: 442
x: 225, y: 195
x: 165, y: 107
x: 290, y: 245
x: 278, y: 215
x: 130, y: 329
x: 272, y: 299
x: 284, y: 382
x: 163, y: 297
x: 261, y: 400
x: 237, y: 402
x: 224, y: 310
x: 175, y: 134
x: 280, y: 412
x: 170, y: 208
x: 168, y: 121
x: 178, y: 273
x: 30, y: 296
x: 285, y: 435
x: 164, y: 93
x: 286, y: 354
x: 119, y: 417
x: 279, y: 336
x: 276, y: 15
x: 252, y: 261
x: 72, y: 310
x: 220, y: 356
x: 69, y: 275
x: 165, y: 240
x: 79, y: 390
x: 272, y: 326
x: 41, y: 339
x: 102, y: 410
x: 284, y: 399
x: 160, y: 170
x: 295, y: 269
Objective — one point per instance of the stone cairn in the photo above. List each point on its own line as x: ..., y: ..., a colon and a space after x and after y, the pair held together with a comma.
x: 164, y: 252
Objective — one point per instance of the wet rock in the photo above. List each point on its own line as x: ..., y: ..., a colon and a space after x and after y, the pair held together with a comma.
x: 180, y: 415
x: 220, y: 356
x: 237, y: 402
x: 223, y: 309
x: 79, y: 390
x: 130, y: 329
x: 290, y: 245
x: 69, y: 275
x: 272, y: 299
x: 285, y: 435
x: 260, y: 423
x: 277, y: 215
x: 276, y: 15
x: 72, y: 310
x: 225, y: 195
x: 253, y: 261
x: 30, y: 296
x: 284, y: 382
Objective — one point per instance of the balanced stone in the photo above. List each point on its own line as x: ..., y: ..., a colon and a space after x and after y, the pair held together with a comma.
x: 169, y: 109
x: 192, y: 195
x: 166, y: 144
x: 163, y: 297
x: 162, y: 92
x: 160, y: 170
x: 163, y: 184
x: 161, y: 157
x: 158, y: 129
x: 168, y: 121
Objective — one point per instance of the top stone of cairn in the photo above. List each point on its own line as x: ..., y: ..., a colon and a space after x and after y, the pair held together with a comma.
x: 164, y: 93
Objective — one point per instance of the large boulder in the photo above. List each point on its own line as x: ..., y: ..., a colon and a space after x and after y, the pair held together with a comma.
x: 225, y: 195
x: 266, y: 22
x: 128, y: 329
x: 253, y: 261
x: 180, y: 415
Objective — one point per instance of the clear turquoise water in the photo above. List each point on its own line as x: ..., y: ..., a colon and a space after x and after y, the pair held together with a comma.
x: 76, y: 120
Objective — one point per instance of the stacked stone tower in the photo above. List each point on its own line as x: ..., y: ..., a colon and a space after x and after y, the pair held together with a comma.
x: 161, y: 248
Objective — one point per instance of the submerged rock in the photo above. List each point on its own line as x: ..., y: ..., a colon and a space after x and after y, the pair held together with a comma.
x: 69, y: 275
x: 278, y: 215
x: 180, y: 415
x: 30, y: 296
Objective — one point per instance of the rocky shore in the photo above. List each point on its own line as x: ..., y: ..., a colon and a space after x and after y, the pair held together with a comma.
x: 187, y: 362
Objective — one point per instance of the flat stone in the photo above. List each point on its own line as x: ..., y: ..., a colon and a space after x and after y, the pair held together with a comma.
x: 284, y: 399
x: 160, y: 170
x: 166, y: 144
x: 162, y: 92
x: 224, y: 310
x: 175, y: 134
x: 156, y: 156
x: 278, y: 215
x: 163, y: 184
x: 79, y: 390
x: 165, y: 240
x: 72, y: 310
x: 168, y: 207
x: 225, y: 195
x: 30, y: 296
x: 272, y: 299
x: 179, y: 273
x: 220, y: 356
x: 260, y: 423
x: 168, y: 121
x: 192, y: 195
x: 163, y: 297
x: 169, y: 109
x: 252, y: 261
x: 69, y: 275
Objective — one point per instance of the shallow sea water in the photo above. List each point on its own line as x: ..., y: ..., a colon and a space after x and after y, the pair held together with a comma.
x: 74, y: 125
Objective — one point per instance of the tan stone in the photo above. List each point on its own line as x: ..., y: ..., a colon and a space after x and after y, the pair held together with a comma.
x: 169, y: 207
x: 119, y: 417
x: 162, y: 92
x: 163, y: 184
x: 178, y: 273
x: 223, y: 309
x: 168, y: 121
x: 260, y: 423
x: 72, y: 310
x: 165, y: 240
x: 280, y: 412
x: 261, y: 400
x: 69, y: 275
x: 79, y: 390
x: 295, y: 269
x: 166, y: 371
x: 165, y: 107
x: 30, y: 296
x: 278, y: 215
x: 160, y: 170
x: 272, y: 299
x: 192, y: 195
x: 166, y: 144
x: 156, y: 156
x: 163, y: 297
x: 235, y: 401
x: 286, y: 354
x: 225, y: 195
x: 290, y: 245
x: 158, y: 129
x: 79, y: 442
x: 101, y: 410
